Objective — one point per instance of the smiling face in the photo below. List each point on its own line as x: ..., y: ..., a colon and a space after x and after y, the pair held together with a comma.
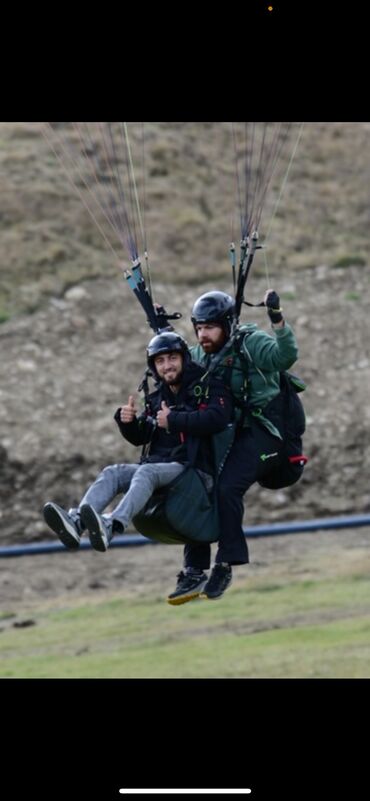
x: 211, y: 336
x: 169, y: 366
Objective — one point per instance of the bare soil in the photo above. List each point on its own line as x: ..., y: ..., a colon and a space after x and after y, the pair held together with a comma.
x: 66, y: 369
x: 63, y: 579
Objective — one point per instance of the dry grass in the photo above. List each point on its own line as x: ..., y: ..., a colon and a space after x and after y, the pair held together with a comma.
x: 49, y: 242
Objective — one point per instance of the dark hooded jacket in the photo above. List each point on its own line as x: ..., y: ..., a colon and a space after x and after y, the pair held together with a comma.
x: 198, y: 410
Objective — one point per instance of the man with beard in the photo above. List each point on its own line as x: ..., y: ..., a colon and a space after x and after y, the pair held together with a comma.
x: 250, y: 362
x: 178, y: 420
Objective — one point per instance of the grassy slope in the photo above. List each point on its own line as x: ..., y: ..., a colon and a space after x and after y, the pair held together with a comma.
x: 253, y: 632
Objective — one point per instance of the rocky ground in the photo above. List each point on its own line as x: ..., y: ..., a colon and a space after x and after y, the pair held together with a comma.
x: 73, y: 337
x: 65, y: 369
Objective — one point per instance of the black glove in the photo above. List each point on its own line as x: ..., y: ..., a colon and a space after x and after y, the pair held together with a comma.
x: 273, y: 307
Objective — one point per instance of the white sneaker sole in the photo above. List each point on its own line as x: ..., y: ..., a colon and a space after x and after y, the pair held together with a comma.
x: 61, y: 527
x: 97, y: 535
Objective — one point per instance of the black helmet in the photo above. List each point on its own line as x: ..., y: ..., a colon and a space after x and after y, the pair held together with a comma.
x: 214, y: 307
x: 166, y: 343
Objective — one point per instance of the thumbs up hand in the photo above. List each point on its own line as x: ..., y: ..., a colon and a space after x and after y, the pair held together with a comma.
x: 162, y: 415
x: 128, y: 412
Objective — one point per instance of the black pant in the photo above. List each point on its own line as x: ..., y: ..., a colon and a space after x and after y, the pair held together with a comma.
x: 254, y: 454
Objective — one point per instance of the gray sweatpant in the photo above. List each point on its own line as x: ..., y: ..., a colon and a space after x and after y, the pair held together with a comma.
x: 137, y: 481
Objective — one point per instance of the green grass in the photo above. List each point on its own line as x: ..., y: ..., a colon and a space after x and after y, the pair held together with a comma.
x: 352, y: 296
x: 350, y: 261
x: 4, y: 316
x: 259, y: 629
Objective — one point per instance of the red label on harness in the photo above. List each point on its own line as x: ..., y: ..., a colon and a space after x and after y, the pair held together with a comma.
x: 300, y: 459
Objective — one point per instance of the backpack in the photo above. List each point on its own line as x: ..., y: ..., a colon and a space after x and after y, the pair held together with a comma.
x: 292, y: 461
x: 285, y: 411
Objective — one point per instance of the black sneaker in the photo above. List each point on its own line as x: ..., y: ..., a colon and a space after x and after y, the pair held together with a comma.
x: 218, y: 582
x: 189, y: 586
x: 100, y: 530
x: 67, y: 528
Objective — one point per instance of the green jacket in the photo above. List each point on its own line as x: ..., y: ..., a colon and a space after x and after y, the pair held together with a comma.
x: 254, y: 376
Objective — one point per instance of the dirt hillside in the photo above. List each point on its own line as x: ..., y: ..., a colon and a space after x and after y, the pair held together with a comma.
x: 73, y: 336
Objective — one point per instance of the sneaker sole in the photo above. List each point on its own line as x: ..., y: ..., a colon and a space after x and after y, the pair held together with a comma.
x: 176, y: 600
x: 96, y: 536
x: 183, y: 599
x: 55, y: 522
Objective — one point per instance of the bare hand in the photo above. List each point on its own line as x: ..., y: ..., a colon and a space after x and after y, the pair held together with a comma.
x: 162, y: 415
x: 128, y: 412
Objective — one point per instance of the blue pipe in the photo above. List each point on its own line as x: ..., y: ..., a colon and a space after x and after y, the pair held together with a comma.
x: 296, y: 527
x: 53, y: 547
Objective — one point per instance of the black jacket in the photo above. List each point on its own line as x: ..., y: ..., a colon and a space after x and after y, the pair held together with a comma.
x: 198, y: 410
